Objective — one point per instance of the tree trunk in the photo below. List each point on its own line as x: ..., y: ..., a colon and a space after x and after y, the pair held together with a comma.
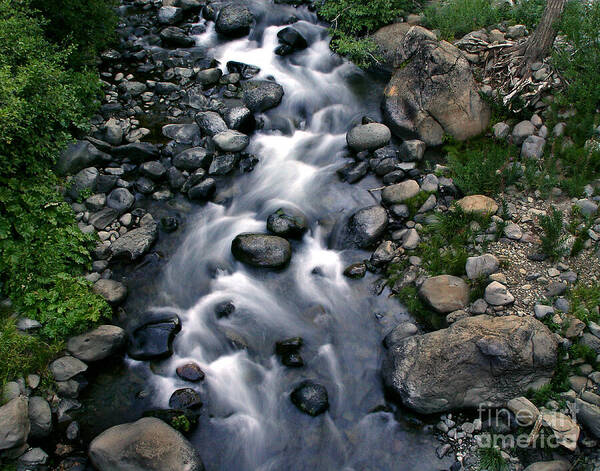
x: 540, y: 42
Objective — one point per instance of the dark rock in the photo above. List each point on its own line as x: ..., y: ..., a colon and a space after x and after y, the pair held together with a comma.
x: 356, y: 270
x: 203, y: 191
x: 188, y: 134
x: 192, y: 159
x: 211, y: 122
x: 169, y: 224
x: 398, y: 333
x: 246, y: 71
x: 262, y: 95
x: 223, y: 164
x: 185, y: 398
x: 77, y: 156
x: 293, y: 38
x: 103, y: 218
x: 209, y: 77
x: 153, y: 169
x: 84, y: 180
x: 310, y: 397
x: 166, y: 88
x: 135, y: 243
x: 234, y: 21
x: 120, y: 199
x: 176, y: 178
x: 137, y: 152
x: 190, y: 372
x: 287, y: 223
x: 224, y: 309
x: 105, y: 183
x: 144, y: 185
x: 153, y: 339
x: 261, y: 250
x: 176, y: 37
x: 239, y: 118
x: 231, y: 141
x: 363, y: 229
x: 353, y: 172
x: 291, y: 345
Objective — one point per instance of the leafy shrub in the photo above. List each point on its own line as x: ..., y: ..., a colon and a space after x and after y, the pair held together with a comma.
x: 583, y: 301
x: 455, y: 18
x: 352, y: 20
x: 87, y: 25
x: 553, y: 237
x: 41, y: 101
x: 491, y: 459
x: 482, y: 166
x: 525, y: 12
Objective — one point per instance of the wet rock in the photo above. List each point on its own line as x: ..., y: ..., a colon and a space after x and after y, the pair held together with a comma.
x: 203, y: 191
x: 146, y: 445
x: 211, y: 123
x: 476, y: 360
x: 434, y: 92
x: 412, y: 150
x: 84, y: 180
x: 481, y: 266
x: 185, y: 398
x: 287, y: 223
x: 384, y: 253
x: 223, y: 164
x: 144, y: 185
x: 192, y: 159
x: 261, y: 250
x: 134, y: 243
x: 224, y: 309
x: 153, y: 169
x: 188, y: 134
x: 111, y: 290
x: 231, y: 141
x: 262, y: 95
x: 353, y: 172
x: 368, y: 137
x: 445, y: 293
x: 478, y: 204
x: 292, y: 37
x: 66, y: 368
x: 137, y: 151
x: 176, y: 37
x: 234, y: 21
x: 239, y: 118
x: 14, y: 423
x: 209, y: 77
x: 98, y: 344
x: 153, y: 339
x: 400, y: 192
x: 310, y: 397
x: 363, y: 229
x: 246, y: 71
x: 190, y: 372
x: 169, y: 15
x: 121, y: 200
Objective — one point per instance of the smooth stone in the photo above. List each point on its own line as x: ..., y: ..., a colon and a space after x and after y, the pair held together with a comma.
x: 497, y: 294
x: 400, y: 192
x: 481, y: 266
x: 261, y: 250
x: 153, y: 339
x: 185, y: 398
x: 190, y: 372
x: 65, y: 368
x: 98, y: 344
x: 231, y: 141
x: 478, y: 204
x: 445, y: 293
x: 368, y: 137
x: 14, y: 423
x: 287, y: 223
x: 112, y: 291
x: 310, y: 397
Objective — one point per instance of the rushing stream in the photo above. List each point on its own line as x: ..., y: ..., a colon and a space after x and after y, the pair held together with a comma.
x: 248, y: 421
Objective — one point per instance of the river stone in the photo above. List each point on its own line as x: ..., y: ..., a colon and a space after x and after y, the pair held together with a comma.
x: 185, y: 398
x: 310, y: 397
x: 234, y: 21
x: 190, y: 372
x: 203, y: 191
x: 368, y: 137
x: 192, y: 159
x: 364, y: 228
x: 137, y: 152
x: 223, y: 164
x: 481, y: 266
x: 261, y: 250
x: 239, y: 118
x: 40, y: 417
x: 153, y: 169
x: 478, y: 204
x: 169, y: 15
x: 66, y: 368
x: 134, y: 243
x: 211, y: 123
x: 292, y: 37
x: 111, y: 290
x: 432, y: 91
x: 262, y: 95
x: 589, y: 415
x: 98, y: 344
x: 121, y: 200
x: 549, y: 466
x: 176, y: 37
x: 77, y: 156
x: 231, y: 141
x: 146, y: 445
x: 356, y: 270
x: 14, y: 423
x: 398, y: 333
x: 153, y: 338
x: 526, y: 413
x: 480, y: 359
x: 209, y: 77
x: 497, y: 294
x: 412, y: 150
x: 84, y: 180
x: 400, y: 192
x: 188, y: 134
x: 445, y: 293
x: 287, y: 223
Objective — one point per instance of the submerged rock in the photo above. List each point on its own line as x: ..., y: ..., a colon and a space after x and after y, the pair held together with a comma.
x: 262, y: 250
x: 146, y: 445
x: 287, y: 222
x: 363, y: 229
x: 185, y: 398
x: 476, y: 360
x: 153, y: 339
x: 310, y: 397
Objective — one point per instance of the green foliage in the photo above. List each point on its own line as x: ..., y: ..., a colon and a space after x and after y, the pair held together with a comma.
x: 490, y: 458
x: 583, y: 301
x: 482, y: 166
x: 352, y: 20
x: 181, y: 423
x: 40, y: 100
x: 86, y: 25
x: 554, y: 236
x: 415, y: 203
x: 409, y: 297
x: 578, y: 350
x: 455, y: 18
x: 525, y: 12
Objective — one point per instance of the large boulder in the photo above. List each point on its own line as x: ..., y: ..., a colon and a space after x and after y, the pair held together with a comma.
x: 14, y: 423
x: 432, y: 91
x: 370, y: 136
x: 151, y: 338
x: 262, y: 250
x: 234, y: 21
x: 445, y: 293
x: 134, y: 243
x: 262, y: 95
x: 98, y: 344
x: 146, y: 445
x: 477, y: 360
x: 40, y: 417
x: 363, y: 229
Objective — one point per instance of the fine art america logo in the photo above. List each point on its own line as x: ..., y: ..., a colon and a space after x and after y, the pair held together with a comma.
x: 528, y: 427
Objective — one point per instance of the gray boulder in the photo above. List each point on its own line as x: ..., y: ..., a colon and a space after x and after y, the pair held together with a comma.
x: 111, y: 290
x: 445, y: 293
x: 98, y: 344
x: 77, y: 156
x: 533, y: 147
x: 234, y: 21
x: 261, y: 250
x: 40, y: 417
x: 84, y: 180
x: 169, y: 15
x: 188, y: 134
x: 211, y: 122
x: 262, y: 95
x: 589, y: 415
x: 146, y: 445
x: 67, y: 367
x: 176, y: 37
x: 192, y: 159
x: 522, y: 131
x: 363, y: 229
x: 14, y: 423
x: 432, y: 91
x: 370, y: 136
x: 481, y: 266
x: 135, y: 243
x: 400, y: 192
x: 476, y: 360
x: 120, y: 199
x: 231, y: 141
x: 288, y: 223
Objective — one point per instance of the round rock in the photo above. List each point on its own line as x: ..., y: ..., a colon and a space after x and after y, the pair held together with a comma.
x: 234, y: 21
x: 100, y: 343
x: 231, y: 141
x: 368, y: 137
x: 287, y: 223
x: 310, y: 397
x: 190, y: 372
x: 262, y: 250
x: 445, y: 293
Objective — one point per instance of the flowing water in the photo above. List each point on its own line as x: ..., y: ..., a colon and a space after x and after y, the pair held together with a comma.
x: 248, y: 421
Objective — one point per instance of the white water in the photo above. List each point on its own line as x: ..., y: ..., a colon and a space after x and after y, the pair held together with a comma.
x: 249, y: 422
